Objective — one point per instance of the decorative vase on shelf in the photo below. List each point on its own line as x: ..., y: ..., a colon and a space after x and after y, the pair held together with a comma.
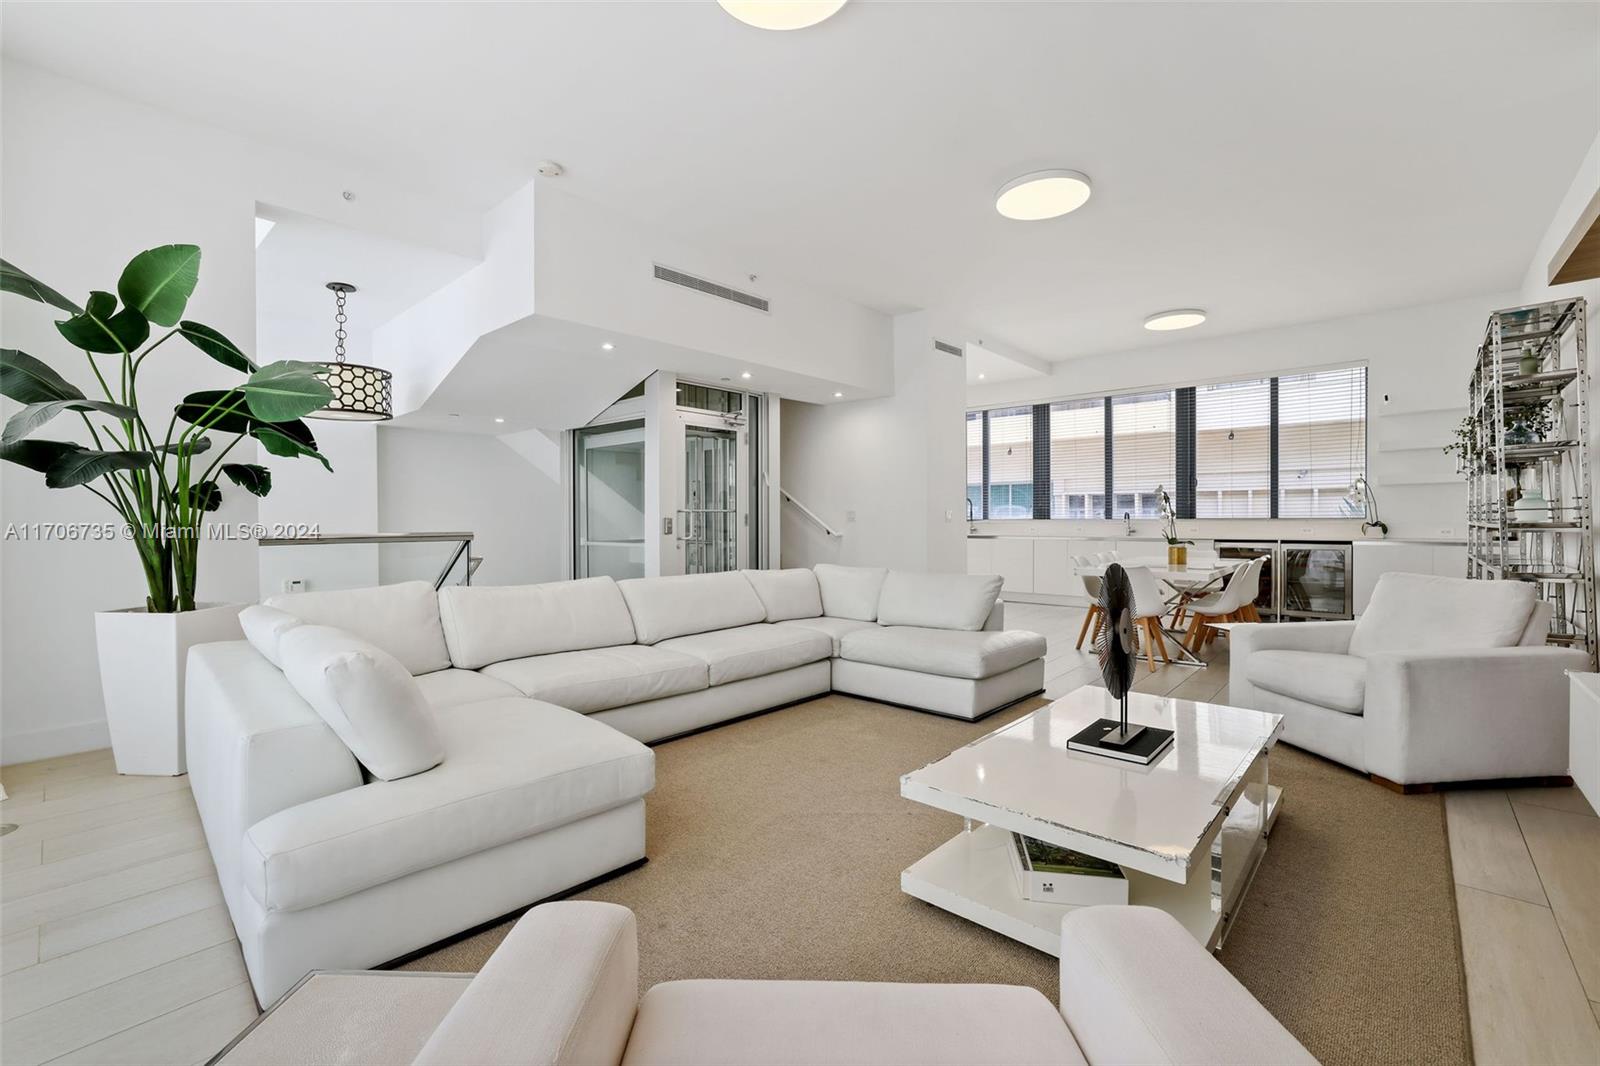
x: 143, y: 656
x: 1177, y: 555
x: 1528, y: 365
x: 1532, y: 507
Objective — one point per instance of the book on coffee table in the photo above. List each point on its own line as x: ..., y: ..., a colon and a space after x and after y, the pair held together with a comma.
x: 1047, y: 873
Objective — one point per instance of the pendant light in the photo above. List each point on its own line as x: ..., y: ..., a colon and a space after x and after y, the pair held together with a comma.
x: 360, y: 393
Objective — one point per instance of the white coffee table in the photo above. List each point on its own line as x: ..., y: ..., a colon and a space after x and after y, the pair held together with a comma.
x: 1188, y: 830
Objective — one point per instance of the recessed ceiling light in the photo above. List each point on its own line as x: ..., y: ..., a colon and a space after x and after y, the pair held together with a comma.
x: 607, y: 346
x: 838, y: 396
x: 499, y: 420
x: 745, y: 375
x: 1042, y: 194
x: 1178, y: 318
x: 982, y: 376
x: 781, y: 14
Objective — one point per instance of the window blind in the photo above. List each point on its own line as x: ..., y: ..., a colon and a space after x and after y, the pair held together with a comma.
x: 1322, y: 442
x: 1078, y: 459
x: 1143, y: 453
x: 1233, y: 450
x: 1011, y: 463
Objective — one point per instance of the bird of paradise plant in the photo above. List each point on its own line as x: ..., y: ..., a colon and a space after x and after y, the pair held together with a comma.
x: 160, y: 487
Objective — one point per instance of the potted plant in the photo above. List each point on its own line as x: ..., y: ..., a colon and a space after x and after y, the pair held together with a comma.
x: 159, y: 487
x: 1177, y: 550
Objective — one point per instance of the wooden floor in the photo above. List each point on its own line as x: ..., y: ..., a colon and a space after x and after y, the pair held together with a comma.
x: 115, y: 946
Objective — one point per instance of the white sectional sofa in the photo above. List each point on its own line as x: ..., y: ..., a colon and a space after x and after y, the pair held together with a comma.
x: 564, y: 989
x: 524, y: 770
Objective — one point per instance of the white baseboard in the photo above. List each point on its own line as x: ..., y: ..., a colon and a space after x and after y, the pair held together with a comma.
x: 48, y: 743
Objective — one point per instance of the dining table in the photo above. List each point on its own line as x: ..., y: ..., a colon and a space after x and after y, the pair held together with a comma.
x: 1188, y: 582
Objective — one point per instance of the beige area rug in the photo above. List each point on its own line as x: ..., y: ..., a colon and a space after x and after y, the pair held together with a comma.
x: 776, y: 846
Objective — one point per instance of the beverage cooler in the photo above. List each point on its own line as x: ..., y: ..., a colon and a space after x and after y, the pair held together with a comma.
x: 1302, y: 580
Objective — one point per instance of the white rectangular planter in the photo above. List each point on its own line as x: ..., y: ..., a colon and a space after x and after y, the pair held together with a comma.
x: 142, y: 661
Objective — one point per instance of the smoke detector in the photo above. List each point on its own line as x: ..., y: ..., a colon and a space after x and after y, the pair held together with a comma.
x: 550, y: 169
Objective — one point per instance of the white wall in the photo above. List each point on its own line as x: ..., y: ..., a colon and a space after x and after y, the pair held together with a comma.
x: 431, y: 481
x: 887, y: 473
x: 1418, y: 361
x: 89, y: 180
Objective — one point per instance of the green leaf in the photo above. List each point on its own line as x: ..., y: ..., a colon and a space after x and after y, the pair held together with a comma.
x: 102, y: 328
x: 26, y: 380
x: 256, y: 480
x: 38, y: 455
x: 84, y: 465
x: 193, y: 446
x: 195, y: 405
x: 278, y: 443
x: 159, y: 282
x: 216, y: 346
x: 205, y: 496
x: 35, y: 415
x: 285, y: 390
x: 15, y: 279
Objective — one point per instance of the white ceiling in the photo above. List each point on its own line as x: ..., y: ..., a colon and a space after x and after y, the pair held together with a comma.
x: 1272, y: 163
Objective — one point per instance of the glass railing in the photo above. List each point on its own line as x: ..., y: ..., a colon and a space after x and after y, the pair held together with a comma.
x: 358, y: 560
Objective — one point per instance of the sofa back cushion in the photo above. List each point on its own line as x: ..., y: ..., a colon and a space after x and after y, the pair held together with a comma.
x: 937, y: 601
x: 664, y: 607
x: 1421, y: 612
x: 486, y: 624
x: 787, y: 594
x: 366, y: 696
x: 850, y: 591
x: 401, y: 619
x: 264, y: 628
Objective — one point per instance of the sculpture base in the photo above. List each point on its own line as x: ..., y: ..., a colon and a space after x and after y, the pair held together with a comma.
x: 1142, y: 744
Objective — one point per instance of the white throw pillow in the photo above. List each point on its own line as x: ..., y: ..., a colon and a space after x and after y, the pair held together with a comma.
x: 787, y: 593
x: 850, y: 591
x: 366, y: 696
x: 264, y: 628
x: 937, y: 601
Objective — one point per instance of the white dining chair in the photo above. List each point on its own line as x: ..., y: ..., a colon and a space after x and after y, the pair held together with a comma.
x: 1091, y: 588
x: 1236, y: 603
x: 1148, y: 607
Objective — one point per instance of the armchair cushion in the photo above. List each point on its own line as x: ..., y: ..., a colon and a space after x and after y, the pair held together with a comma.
x: 765, y: 1023
x: 1423, y: 612
x: 1335, y: 681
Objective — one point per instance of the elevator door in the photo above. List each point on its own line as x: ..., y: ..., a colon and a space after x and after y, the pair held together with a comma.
x: 712, y: 518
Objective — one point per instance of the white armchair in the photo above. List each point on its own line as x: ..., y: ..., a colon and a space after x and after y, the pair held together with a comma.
x: 1442, y: 680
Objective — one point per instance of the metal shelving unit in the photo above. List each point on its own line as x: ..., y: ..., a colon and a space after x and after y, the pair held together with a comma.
x: 1511, y: 534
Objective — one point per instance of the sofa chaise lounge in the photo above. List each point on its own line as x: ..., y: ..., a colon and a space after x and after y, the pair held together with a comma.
x: 342, y: 840
x: 564, y: 988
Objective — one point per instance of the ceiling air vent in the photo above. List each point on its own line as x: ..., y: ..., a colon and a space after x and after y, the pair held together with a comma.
x: 947, y: 348
x: 710, y: 288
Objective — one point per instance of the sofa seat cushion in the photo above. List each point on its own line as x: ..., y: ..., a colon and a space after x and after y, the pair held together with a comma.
x: 513, y: 768
x: 945, y: 652
x: 752, y: 651
x: 401, y: 619
x: 1338, y: 682
x: 601, y: 678
x: 449, y: 688
x: 764, y: 1023
x: 835, y: 628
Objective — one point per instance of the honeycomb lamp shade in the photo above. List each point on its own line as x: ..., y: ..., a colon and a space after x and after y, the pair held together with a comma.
x: 360, y: 393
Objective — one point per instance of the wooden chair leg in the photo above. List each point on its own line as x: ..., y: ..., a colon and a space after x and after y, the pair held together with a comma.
x: 1099, y: 624
x: 1250, y: 610
x: 1088, y: 617
x: 1196, y: 622
x: 1149, y: 643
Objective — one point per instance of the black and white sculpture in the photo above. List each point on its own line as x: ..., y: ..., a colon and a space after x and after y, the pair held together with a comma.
x: 1117, y: 646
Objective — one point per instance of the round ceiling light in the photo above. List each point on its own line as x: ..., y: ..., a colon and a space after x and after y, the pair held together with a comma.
x: 781, y: 14
x: 1178, y: 318
x: 1042, y: 194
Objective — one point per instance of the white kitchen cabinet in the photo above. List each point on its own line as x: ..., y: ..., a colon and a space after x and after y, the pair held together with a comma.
x: 1013, y: 561
x: 1373, y: 558
x: 980, y: 556
x: 1053, y: 572
x: 1450, y: 560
